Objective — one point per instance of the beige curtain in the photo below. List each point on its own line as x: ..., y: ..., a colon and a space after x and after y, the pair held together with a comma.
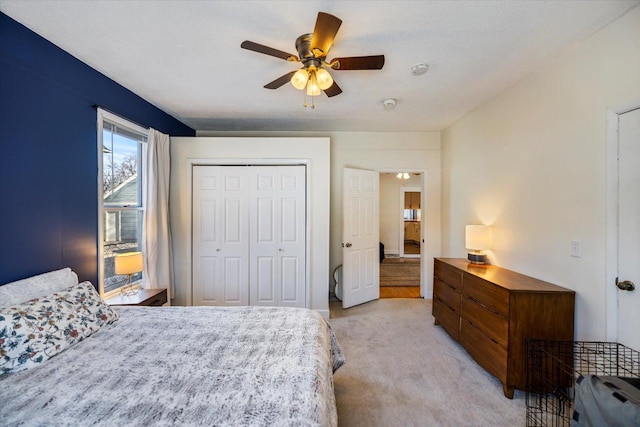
x: 156, y: 234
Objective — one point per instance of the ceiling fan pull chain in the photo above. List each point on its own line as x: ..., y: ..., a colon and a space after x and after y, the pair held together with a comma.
x: 305, y: 100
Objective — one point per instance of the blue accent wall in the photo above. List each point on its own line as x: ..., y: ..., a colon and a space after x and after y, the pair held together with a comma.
x: 49, y: 154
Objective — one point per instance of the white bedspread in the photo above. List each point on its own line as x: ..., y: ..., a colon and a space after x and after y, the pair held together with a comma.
x: 185, y: 366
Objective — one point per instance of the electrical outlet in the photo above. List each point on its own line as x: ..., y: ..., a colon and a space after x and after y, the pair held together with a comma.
x: 575, y: 249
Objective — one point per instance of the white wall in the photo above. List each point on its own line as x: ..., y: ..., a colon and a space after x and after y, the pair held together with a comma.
x: 532, y: 163
x: 390, y: 151
x: 392, y: 208
x: 381, y: 151
x: 201, y: 150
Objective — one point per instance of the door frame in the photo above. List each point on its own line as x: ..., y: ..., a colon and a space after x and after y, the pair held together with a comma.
x: 404, y: 190
x: 423, y: 228
x: 193, y: 162
x: 611, y: 245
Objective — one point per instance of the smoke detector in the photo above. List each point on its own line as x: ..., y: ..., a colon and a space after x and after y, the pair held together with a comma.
x: 389, y: 103
x: 419, y: 69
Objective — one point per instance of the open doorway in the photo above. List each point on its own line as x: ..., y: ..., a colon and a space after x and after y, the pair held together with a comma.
x: 400, y: 234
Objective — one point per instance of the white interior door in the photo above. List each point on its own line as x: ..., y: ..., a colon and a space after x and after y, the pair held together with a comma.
x: 360, y: 237
x: 278, y: 247
x: 629, y: 228
x: 220, y: 236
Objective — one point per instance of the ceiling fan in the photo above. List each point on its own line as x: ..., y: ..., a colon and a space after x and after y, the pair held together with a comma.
x: 312, y: 53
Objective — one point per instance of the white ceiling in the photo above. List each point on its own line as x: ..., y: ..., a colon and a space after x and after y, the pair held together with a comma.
x: 185, y: 56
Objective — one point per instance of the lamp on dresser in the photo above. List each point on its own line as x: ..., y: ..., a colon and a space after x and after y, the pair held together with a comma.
x: 477, y: 238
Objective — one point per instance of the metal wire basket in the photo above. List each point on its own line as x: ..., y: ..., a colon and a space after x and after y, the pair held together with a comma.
x: 553, y: 367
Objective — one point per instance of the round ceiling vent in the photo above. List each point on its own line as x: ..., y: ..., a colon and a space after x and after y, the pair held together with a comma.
x: 389, y: 103
x: 419, y: 69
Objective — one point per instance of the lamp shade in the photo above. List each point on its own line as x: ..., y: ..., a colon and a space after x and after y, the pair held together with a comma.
x: 129, y: 263
x: 477, y: 237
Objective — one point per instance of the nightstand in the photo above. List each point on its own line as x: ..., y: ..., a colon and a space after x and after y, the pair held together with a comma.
x: 149, y: 297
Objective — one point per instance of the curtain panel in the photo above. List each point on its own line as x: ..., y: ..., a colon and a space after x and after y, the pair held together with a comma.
x: 156, y: 234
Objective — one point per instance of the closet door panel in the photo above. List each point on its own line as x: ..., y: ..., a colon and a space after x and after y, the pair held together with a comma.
x: 249, y: 235
x: 280, y: 219
x: 208, y: 272
x: 232, y: 226
x: 289, y: 279
x: 262, y: 248
x: 235, y: 247
x: 291, y: 220
x: 266, y: 292
x: 206, y: 241
x: 233, y: 280
x: 220, y: 230
x: 266, y: 226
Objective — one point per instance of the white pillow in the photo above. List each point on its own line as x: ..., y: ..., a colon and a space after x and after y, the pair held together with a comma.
x: 37, y: 286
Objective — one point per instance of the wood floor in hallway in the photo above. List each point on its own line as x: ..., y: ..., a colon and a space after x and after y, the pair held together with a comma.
x: 399, y: 292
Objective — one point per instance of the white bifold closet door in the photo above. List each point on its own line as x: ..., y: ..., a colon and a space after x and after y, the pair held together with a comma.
x: 249, y: 231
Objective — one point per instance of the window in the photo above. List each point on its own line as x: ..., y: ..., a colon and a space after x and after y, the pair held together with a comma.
x: 120, y: 146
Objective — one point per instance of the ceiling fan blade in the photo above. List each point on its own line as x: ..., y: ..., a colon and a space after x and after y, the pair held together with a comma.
x: 374, y: 62
x: 249, y: 45
x: 333, y: 90
x: 280, y: 81
x: 323, y: 34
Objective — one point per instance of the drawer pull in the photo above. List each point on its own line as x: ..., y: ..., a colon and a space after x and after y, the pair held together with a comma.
x: 482, y: 332
x: 491, y: 309
x: 446, y: 305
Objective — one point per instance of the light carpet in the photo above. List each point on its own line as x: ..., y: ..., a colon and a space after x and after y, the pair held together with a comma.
x: 402, y: 370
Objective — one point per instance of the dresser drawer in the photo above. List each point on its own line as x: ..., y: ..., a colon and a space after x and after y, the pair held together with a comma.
x: 491, y: 296
x: 447, y: 294
x: 449, y: 319
x: 488, y: 353
x: 494, y: 325
x: 448, y: 274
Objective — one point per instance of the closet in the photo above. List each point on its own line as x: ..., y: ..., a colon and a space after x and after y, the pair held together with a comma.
x: 249, y: 235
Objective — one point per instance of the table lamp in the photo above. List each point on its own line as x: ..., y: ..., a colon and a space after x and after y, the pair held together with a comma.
x: 477, y: 239
x: 129, y: 263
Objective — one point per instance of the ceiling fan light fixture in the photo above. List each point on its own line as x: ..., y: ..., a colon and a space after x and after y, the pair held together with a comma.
x: 312, y: 86
x: 312, y: 51
x: 324, y: 79
x: 300, y: 78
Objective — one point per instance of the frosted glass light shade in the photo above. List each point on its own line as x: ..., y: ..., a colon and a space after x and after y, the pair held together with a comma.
x: 300, y: 78
x: 129, y: 263
x: 312, y: 87
x: 477, y: 237
x: 324, y: 79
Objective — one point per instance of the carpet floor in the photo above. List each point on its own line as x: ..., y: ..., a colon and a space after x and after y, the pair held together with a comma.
x: 402, y: 370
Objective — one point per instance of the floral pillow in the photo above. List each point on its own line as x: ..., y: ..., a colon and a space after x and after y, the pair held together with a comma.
x: 37, y: 330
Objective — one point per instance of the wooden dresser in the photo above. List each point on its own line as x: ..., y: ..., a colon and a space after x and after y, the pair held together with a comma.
x: 492, y: 312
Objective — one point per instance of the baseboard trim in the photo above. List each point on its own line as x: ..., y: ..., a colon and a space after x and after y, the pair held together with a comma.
x: 324, y: 313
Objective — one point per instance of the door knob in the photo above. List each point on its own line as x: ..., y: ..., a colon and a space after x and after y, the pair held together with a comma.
x: 625, y: 285
x: 349, y: 245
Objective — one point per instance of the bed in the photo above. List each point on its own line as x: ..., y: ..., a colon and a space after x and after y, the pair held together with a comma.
x: 164, y: 365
